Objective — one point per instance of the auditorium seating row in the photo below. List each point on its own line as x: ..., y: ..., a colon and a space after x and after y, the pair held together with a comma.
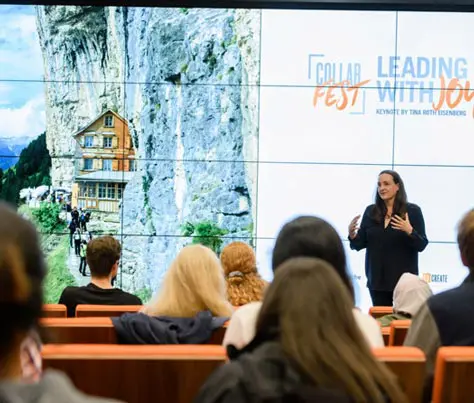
x: 176, y: 372
x: 88, y: 330
x: 87, y: 345
x: 87, y: 311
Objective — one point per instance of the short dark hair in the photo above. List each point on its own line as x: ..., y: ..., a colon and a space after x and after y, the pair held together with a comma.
x: 102, y: 253
x: 309, y: 236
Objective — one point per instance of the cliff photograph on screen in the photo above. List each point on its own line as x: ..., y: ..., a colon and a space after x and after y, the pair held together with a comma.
x: 134, y: 122
x: 169, y: 126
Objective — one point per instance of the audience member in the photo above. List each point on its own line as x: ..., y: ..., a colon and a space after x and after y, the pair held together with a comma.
x: 303, y: 237
x: 244, y: 284
x: 308, y: 347
x: 22, y: 271
x: 193, y: 283
x: 190, y: 305
x: 102, y: 256
x: 445, y: 318
x: 409, y: 294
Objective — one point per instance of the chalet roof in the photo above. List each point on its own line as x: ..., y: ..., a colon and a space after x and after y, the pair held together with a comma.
x: 106, y: 176
x: 83, y: 129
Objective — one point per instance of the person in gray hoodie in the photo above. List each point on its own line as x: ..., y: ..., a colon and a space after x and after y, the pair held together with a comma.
x: 22, y: 270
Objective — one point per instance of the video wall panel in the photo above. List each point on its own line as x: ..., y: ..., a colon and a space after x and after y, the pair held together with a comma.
x: 175, y: 125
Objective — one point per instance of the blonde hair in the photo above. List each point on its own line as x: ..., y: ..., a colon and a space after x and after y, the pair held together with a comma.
x: 193, y: 283
x: 244, y: 284
x: 311, y: 309
x: 466, y: 239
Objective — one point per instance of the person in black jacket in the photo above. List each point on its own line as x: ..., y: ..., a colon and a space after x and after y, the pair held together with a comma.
x: 307, y: 347
x: 445, y: 319
x: 393, y: 232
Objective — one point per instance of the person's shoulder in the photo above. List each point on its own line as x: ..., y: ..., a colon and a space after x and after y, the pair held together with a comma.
x: 449, y: 298
x: 370, y: 328
x: 369, y: 211
x: 59, y: 385
x: 412, y: 207
x: 130, y: 298
x: 247, y: 314
x: 241, y: 328
x: 70, y: 292
x: 370, y: 208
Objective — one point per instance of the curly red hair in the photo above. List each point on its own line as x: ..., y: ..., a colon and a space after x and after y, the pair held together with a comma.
x: 244, y: 284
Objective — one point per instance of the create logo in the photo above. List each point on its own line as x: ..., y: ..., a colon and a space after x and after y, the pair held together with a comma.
x: 435, y: 278
x: 439, y: 82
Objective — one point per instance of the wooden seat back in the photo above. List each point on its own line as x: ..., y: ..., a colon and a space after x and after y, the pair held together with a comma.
x: 54, y: 311
x: 88, y: 311
x: 137, y: 374
x: 379, y: 311
x: 79, y: 330
x: 398, y: 332
x: 408, y: 364
x: 454, y: 375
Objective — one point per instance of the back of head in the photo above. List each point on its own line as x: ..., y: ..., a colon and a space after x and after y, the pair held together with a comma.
x: 309, y: 236
x: 310, y: 309
x: 194, y: 282
x: 410, y: 293
x: 244, y: 284
x: 102, y: 253
x: 466, y: 239
x: 22, y: 270
x: 238, y: 257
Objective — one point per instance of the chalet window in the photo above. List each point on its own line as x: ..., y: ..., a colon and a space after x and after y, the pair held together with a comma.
x: 133, y: 165
x: 111, y: 191
x: 102, y: 190
x: 106, y: 165
x: 107, y: 142
x: 89, y: 141
x: 109, y: 121
x: 88, y: 164
x: 91, y: 190
x: 82, y: 190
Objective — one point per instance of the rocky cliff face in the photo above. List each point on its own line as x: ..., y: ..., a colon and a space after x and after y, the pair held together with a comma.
x: 186, y: 82
x: 83, y: 60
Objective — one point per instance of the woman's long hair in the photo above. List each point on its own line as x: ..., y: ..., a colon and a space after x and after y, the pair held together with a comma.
x: 244, y: 284
x: 193, y: 283
x: 400, y: 202
x: 311, y: 309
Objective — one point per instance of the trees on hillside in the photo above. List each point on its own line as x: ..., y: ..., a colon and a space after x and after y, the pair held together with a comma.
x: 31, y: 170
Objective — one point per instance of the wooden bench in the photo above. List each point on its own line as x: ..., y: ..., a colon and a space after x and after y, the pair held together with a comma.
x: 454, y: 375
x: 379, y: 311
x: 54, y: 311
x: 137, y: 374
x: 88, y: 311
x: 79, y: 330
x: 94, y: 331
x: 398, y: 332
x: 408, y: 364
